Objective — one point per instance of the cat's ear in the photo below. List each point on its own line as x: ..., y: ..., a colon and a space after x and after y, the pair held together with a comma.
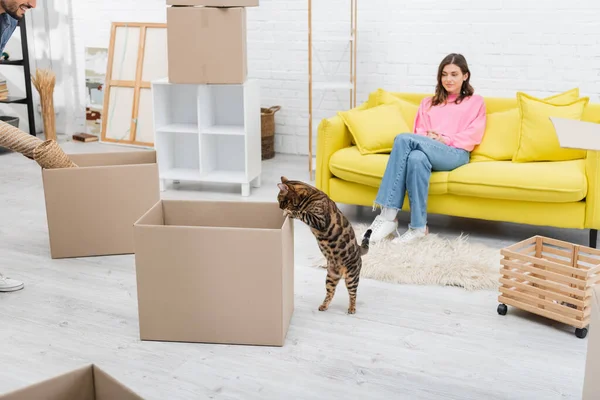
x: 283, y: 188
x: 284, y: 179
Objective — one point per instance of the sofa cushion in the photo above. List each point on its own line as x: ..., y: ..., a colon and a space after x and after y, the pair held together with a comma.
x: 375, y: 129
x: 348, y: 164
x: 556, y: 182
x: 501, y: 138
x: 409, y: 110
x: 537, y: 136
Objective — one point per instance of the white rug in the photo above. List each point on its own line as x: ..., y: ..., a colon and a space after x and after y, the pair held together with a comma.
x: 432, y: 260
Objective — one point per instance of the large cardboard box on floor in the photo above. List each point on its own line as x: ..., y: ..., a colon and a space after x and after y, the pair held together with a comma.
x: 87, y: 383
x: 591, y: 385
x: 206, y: 45
x: 91, y: 209
x: 215, y: 272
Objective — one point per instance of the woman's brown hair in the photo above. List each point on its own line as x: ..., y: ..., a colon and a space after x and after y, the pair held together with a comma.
x: 466, y: 90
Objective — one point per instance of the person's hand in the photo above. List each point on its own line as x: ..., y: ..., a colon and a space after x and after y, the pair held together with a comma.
x: 436, y: 136
x: 432, y: 134
x: 442, y: 139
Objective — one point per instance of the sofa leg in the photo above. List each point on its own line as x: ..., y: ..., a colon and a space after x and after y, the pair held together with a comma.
x: 593, y: 238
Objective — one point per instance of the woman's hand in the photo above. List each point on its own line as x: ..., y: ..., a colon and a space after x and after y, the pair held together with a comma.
x: 436, y: 136
x: 431, y: 134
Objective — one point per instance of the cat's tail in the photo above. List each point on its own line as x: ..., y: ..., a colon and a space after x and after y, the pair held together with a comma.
x: 364, y: 246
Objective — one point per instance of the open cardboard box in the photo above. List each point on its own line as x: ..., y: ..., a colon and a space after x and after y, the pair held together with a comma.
x: 91, y: 209
x: 206, y: 45
x: 576, y: 134
x: 215, y: 272
x: 87, y: 383
x: 591, y: 385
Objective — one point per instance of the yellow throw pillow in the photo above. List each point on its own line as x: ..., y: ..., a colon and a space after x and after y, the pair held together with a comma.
x: 408, y: 109
x: 374, y: 129
x: 564, y: 97
x: 537, y: 136
x: 501, y: 137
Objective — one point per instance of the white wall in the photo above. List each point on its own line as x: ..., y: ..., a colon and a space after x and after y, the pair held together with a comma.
x: 538, y: 47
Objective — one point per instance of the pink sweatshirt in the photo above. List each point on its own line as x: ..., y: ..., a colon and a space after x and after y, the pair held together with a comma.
x: 462, y: 124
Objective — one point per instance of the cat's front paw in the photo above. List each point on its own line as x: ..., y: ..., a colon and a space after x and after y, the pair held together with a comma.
x: 352, y: 310
x: 322, y: 307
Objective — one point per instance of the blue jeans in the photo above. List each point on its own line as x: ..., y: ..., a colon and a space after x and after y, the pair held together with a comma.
x: 409, y: 168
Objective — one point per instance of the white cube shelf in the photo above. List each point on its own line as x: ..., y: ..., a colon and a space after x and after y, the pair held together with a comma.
x: 221, y: 109
x: 178, y: 156
x: 208, y: 133
x: 175, y: 108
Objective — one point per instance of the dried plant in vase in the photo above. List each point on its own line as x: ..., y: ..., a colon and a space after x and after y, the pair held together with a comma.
x: 44, y: 81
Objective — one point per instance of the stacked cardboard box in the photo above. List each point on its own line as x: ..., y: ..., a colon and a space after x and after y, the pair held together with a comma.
x: 206, y: 41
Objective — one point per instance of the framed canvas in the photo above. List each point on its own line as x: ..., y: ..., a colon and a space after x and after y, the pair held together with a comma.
x: 137, y: 55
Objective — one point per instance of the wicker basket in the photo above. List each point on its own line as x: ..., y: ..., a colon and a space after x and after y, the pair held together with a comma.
x: 267, y: 119
x: 550, y: 278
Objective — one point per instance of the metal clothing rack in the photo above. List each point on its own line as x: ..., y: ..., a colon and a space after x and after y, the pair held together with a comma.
x: 28, y: 99
x: 349, y: 84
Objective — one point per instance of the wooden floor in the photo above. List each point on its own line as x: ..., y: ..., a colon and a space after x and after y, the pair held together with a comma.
x: 405, y: 342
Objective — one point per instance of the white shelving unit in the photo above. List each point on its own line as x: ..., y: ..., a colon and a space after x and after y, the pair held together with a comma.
x: 208, y: 133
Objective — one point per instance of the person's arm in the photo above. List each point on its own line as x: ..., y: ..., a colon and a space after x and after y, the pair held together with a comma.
x: 473, y: 134
x: 421, y: 120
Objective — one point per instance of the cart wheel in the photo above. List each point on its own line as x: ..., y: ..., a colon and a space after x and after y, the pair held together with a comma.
x: 581, y: 333
x: 502, y: 309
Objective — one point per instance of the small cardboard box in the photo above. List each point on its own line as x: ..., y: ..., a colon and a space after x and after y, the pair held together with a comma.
x: 215, y: 272
x: 206, y: 45
x: 591, y: 385
x: 214, y: 3
x: 87, y: 383
x: 91, y: 209
x: 576, y: 134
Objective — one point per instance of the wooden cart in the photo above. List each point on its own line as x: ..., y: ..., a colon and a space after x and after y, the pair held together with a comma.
x: 551, y: 278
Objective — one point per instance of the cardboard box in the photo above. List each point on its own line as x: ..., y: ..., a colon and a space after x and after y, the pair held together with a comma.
x: 591, y: 385
x: 91, y: 209
x: 206, y: 45
x: 576, y: 134
x: 87, y: 383
x: 215, y: 272
x: 214, y: 3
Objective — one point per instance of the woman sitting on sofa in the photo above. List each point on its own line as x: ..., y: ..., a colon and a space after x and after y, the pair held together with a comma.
x: 447, y: 128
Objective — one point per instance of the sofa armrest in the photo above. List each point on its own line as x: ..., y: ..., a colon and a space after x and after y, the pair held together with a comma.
x: 592, y: 201
x: 332, y: 135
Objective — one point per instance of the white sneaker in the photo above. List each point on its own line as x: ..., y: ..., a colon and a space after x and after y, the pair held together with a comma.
x: 9, y: 285
x: 382, y: 228
x: 411, y: 235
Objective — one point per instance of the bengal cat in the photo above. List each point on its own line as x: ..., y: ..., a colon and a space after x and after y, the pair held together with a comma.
x: 334, y: 233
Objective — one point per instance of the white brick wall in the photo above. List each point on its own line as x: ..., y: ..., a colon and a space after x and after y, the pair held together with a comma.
x: 92, y: 20
x: 538, y: 47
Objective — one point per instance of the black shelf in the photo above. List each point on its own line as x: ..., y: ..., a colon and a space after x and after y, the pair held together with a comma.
x: 14, y: 100
x: 11, y: 62
x: 28, y: 100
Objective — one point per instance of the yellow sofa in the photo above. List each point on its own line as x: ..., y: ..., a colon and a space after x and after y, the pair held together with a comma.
x: 563, y: 194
